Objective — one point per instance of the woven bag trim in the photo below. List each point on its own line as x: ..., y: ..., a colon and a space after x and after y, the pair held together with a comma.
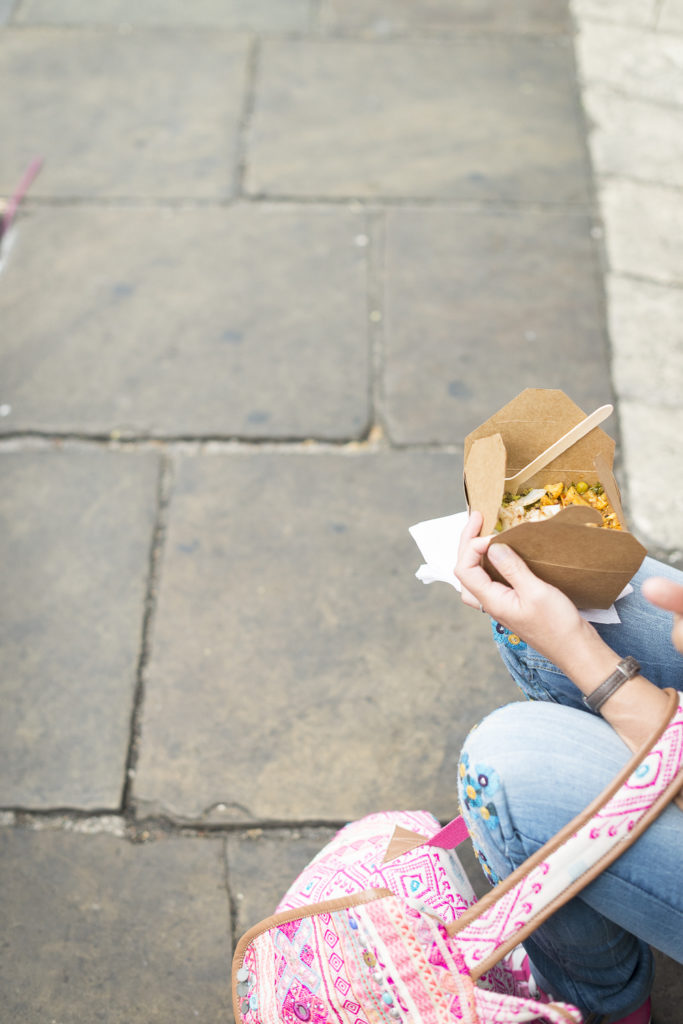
x: 296, y: 914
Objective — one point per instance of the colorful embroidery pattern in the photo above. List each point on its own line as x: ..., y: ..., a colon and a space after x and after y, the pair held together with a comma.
x: 384, y: 960
x: 505, y: 637
x: 482, y: 940
x: 429, y: 877
x: 381, y: 962
x: 477, y: 786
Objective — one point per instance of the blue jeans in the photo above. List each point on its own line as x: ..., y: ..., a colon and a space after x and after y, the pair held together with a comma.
x: 528, y: 769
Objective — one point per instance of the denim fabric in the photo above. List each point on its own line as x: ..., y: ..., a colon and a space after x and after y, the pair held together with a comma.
x: 644, y: 632
x: 529, y: 768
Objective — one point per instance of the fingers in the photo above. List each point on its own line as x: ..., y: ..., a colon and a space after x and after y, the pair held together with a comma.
x: 474, y: 524
x: 510, y: 565
x: 664, y: 593
x: 667, y: 595
x: 469, y: 599
x: 468, y: 569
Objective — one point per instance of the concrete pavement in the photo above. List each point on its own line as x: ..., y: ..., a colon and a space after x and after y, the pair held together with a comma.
x: 279, y: 260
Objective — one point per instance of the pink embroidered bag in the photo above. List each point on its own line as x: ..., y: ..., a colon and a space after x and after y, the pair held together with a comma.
x: 383, y: 927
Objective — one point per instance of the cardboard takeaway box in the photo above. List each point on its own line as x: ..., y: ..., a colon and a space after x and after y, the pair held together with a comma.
x: 590, y: 565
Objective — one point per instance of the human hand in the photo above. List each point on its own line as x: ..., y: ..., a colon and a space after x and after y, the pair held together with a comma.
x: 538, y: 612
x: 667, y: 595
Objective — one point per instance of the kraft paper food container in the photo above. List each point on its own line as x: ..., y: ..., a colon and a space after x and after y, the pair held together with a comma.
x: 589, y: 564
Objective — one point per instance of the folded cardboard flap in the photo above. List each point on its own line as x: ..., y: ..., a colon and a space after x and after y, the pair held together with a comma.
x: 572, y: 551
x: 485, y: 466
x: 589, y: 564
x: 532, y: 422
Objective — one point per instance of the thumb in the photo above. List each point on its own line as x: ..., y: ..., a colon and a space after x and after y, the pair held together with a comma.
x: 509, y: 564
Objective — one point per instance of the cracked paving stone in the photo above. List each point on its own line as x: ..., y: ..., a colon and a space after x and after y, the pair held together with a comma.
x: 75, y: 535
x: 298, y: 670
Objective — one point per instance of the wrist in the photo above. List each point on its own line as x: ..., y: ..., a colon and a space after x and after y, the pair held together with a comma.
x: 635, y: 708
x: 586, y: 659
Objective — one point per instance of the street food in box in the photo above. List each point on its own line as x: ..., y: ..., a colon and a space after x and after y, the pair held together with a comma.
x: 534, y: 504
x: 553, y: 518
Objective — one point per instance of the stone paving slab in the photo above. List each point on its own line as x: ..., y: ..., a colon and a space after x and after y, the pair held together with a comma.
x: 255, y: 15
x: 122, y: 114
x: 667, y: 993
x: 623, y: 12
x: 248, y: 321
x: 644, y: 225
x: 298, y: 671
x: 6, y: 7
x: 99, y: 929
x: 640, y: 65
x: 637, y: 140
x: 651, y: 450
x: 473, y: 118
x: 75, y: 536
x: 480, y: 305
x: 262, y: 866
x: 671, y: 16
x: 385, y: 17
x: 653, y: 371
x: 631, y: 77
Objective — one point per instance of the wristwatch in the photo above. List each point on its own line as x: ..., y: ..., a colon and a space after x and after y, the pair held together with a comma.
x: 626, y: 669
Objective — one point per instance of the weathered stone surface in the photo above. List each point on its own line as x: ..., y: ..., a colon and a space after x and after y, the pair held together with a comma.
x: 76, y: 529
x: 641, y: 65
x: 652, y: 456
x: 468, y: 118
x: 6, y: 8
x: 247, y: 321
x: 644, y: 230
x: 386, y: 17
x: 633, y: 139
x: 97, y: 929
x: 122, y: 114
x: 318, y: 679
x: 481, y: 305
x: 671, y: 16
x: 265, y: 15
x: 647, y: 346
x: 667, y: 994
x: 624, y: 12
x: 261, y: 868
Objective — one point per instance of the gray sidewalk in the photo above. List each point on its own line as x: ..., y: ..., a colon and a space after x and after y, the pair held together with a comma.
x: 280, y: 259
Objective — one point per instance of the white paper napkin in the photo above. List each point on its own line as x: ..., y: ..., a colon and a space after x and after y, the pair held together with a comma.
x: 438, y: 541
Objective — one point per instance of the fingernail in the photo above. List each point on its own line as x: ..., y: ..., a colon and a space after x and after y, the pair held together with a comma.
x: 499, y: 554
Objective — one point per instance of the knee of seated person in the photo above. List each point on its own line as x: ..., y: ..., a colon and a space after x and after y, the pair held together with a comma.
x: 492, y: 733
x: 501, y: 755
